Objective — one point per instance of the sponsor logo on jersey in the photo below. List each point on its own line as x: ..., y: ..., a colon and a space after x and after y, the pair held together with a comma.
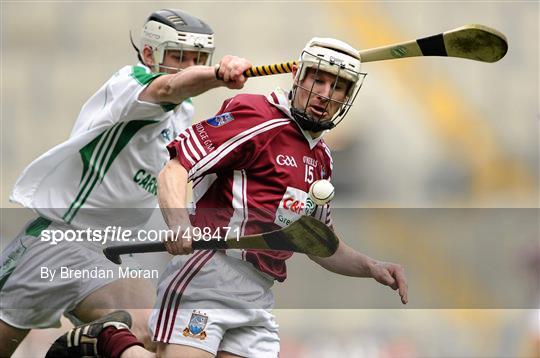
x: 310, y: 206
x: 286, y: 160
x: 196, y: 325
x: 146, y: 181
x: 220, y: 120
x: 293, y: 205
x: 310, y: 161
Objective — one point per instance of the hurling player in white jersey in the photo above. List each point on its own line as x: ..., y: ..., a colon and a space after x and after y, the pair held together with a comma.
x: 105, y: 174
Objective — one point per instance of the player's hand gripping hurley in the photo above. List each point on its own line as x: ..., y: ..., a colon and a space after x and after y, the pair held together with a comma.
x: 306, y: 235
x: 473, y: 42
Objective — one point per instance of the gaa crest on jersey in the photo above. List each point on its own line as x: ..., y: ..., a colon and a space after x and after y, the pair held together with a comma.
x: 220, y: 120
x: 286, y: 161
x: 197, y: 324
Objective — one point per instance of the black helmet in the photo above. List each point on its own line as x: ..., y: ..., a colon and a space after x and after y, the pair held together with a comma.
x: 170, y: 29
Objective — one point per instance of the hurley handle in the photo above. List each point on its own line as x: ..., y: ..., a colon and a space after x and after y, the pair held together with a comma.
x: 275, y: 69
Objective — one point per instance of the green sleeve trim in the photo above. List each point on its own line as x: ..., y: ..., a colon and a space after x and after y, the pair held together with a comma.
x: 143, y: 77
x: 37, y: 226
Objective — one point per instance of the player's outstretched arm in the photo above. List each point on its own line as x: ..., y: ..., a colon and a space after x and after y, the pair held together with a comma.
x: 349, y: 262
x: 195, y: 80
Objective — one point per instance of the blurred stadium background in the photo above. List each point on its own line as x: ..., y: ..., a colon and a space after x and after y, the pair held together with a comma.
x: 424, y: 133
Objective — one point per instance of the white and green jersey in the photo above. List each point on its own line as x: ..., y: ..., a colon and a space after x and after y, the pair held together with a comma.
x: 111, y: 159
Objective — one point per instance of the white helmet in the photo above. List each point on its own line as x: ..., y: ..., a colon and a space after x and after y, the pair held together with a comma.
x: 169, y: 29
x: 335, y: 57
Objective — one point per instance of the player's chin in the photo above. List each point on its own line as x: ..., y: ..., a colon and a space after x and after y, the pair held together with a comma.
x: 318, y: 116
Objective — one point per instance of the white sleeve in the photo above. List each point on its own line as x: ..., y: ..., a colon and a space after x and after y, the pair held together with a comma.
x: 125, y: 89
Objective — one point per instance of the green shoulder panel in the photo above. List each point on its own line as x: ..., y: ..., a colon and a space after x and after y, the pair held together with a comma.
x: 142, y: 76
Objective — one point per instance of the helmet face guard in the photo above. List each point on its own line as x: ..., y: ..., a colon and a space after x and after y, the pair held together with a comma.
x: 332, y: 57
x: 175, y: 30
x: 204, y: 55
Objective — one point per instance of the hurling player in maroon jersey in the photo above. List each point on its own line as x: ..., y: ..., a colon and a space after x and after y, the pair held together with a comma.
x: 251, y: 167
x: 255, y: 160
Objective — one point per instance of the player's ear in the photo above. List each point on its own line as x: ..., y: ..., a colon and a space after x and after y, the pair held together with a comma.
x: 294, y: 70
x: 147, y: 55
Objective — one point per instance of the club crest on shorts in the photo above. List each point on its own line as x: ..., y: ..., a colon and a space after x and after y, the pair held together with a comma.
x: 220, y: 120
x: 196, y: 325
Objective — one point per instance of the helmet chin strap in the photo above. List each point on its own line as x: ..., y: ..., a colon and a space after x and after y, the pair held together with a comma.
x: 309, y: 124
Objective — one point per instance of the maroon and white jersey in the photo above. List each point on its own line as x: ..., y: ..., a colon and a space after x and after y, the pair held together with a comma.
x: 251, y: 167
